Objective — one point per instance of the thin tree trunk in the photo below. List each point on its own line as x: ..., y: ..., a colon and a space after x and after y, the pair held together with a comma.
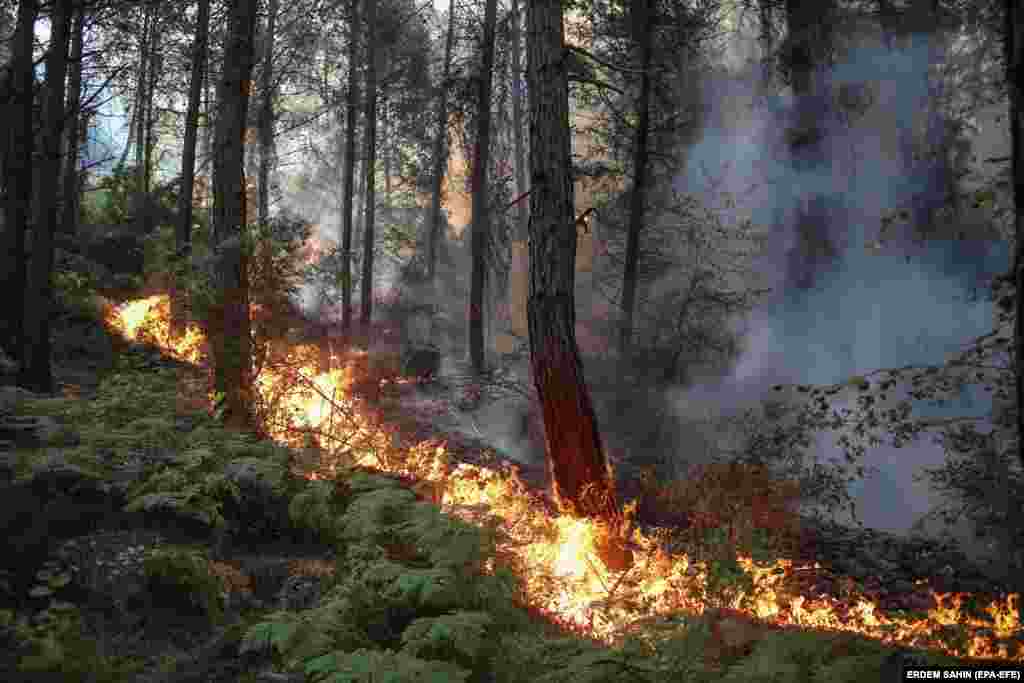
x: 142, y: 104
x: 351, y: 111
x: 637, y: 203
x: 440, y: 150
x: 71, y: 188
x: 36, y: 372
x: 267, y: 116
x: 183, y: 234
x: 366, y: 312
x: 1014, y: 50
x: 18, y: 177
x: 767, y: 45
x: 147, y: 163
x: 232, y: 338
x: 887, y: 20
x: 580, y: 473
x: 206, y: 143
x: 522, y: 216
x: 481, y: 163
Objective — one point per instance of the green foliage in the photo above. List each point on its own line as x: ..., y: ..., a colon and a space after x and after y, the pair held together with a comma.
x: 178, y: 574
x: 56, y: 642
x: 460, y: 638
x: 371, y: 666
x: 269, y: 636
x: 193, y: 482
x: 133, y: 391
x: 76, y: 292
x: 316, y: 508
x: 109, y: 205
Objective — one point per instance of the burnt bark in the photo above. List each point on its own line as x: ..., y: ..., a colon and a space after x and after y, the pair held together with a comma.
x: 580, y: 473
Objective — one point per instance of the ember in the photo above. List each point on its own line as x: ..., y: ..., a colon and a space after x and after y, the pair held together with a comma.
x: 557, y: 556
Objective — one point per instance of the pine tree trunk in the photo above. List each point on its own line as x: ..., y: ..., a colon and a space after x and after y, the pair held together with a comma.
x: 18, y: 177
x: 366, y: 303
x: 70, y: 186
x: 36, y: 371
x: 183, y: 234
x: 1014, y: 50
x: 232, y: 338
x: 480, y: 218
x: 267, y: 151
x: 637, y: 204
x: 580, y: 474
x: 440, y: 150
x: 347, y: 173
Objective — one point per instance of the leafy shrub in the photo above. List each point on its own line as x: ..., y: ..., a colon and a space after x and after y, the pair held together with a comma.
x: 173, y: 575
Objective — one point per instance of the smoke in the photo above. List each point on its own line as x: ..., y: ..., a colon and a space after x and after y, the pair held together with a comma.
x: 848, y: 297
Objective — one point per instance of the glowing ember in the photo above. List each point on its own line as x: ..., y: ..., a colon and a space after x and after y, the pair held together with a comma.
x: 556, y: 555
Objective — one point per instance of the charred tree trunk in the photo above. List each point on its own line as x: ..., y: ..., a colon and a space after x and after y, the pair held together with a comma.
x: 348, y: 171
x: 36, y: 372
x: 366, y: 303
x: 440, y: 150
x: 481, y: 163
x: 580, y: 473
x: 232, y: 338
x: 183, y: 234
x: 18, y: 177
x: 642, y: 23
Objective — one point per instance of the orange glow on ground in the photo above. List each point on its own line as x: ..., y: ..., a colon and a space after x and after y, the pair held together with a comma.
x: 556, y: 556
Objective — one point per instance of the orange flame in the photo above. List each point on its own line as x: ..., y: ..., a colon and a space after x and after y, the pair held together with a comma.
x: 557, y: 556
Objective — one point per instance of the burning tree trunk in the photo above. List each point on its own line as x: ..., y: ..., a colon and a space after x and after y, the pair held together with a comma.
x: 579, y: 472
x: 232, y: 338
x: 183, y: 235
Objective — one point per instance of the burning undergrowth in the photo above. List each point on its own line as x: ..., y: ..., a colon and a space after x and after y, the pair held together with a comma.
x: 724, y: 570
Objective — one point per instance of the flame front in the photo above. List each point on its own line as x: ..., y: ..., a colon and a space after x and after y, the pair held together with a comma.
x: 556, y: 555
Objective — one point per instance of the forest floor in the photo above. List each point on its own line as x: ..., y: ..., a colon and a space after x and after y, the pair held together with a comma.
x: 145, y: 543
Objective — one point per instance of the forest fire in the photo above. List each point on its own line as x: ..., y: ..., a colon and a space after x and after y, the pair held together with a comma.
x: 557, y: 556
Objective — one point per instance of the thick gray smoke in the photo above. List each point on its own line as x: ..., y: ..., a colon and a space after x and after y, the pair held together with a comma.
x: 848, y: 298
